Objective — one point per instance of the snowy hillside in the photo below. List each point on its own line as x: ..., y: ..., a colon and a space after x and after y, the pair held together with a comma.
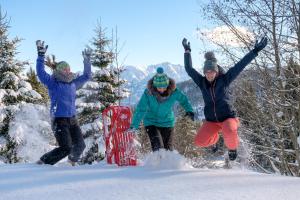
x: 173, y: 180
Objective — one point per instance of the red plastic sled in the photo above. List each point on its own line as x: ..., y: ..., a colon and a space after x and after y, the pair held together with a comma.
x: 119, y: 142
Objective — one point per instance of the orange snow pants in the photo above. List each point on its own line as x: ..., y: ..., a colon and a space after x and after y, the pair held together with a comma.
x: 208, y: 134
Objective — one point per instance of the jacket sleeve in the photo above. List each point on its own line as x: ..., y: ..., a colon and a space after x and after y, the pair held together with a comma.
x: 233, y: 72
x: 184, y: 101
x: 140, y: 111
x: 196, y: 76
x: 87, y: 74
x: 44, y: 77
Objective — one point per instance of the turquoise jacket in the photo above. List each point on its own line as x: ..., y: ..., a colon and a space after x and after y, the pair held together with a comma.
x: 156, y: 111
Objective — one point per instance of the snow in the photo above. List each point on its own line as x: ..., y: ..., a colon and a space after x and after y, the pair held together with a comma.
x: 279, y: 114
x: 3, y: 114
x: 32, y: 132
x: 172, y: 160
x: 2, y: 143
x: 102, y: 72
x: 2, y: 94
x: 31, y: 93
x: 171, y: 179
x: 10, y: 78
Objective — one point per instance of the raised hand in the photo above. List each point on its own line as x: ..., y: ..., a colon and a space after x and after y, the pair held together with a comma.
x: 260, y: 45
x: 86, y: 53
x: 186, y: 45
x: 41, y: 49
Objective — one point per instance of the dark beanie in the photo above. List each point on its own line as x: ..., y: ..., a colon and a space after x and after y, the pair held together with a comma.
x: 210, y: 62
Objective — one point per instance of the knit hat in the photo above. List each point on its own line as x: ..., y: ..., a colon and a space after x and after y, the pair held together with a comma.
x: 63, y: 73
x: 160, y: 80
x: 210, y: 62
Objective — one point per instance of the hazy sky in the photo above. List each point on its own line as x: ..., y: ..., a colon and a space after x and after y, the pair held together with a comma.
x: 151, y: 30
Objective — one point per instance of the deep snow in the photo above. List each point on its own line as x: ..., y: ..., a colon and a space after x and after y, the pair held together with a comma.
x: 171, y: 178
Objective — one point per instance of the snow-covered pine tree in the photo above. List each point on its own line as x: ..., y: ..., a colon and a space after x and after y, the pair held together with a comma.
x: 102, y: 91
x: 37, y: 85
x: 14, y: 91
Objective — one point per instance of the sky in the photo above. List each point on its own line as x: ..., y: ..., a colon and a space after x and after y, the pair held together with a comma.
x: 151, y: 31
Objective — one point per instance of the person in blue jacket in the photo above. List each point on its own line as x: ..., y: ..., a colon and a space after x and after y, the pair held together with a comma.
x: 62, y: 86
x: 214, y: 85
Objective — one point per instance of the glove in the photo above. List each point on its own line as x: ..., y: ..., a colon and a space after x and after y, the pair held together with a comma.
x: 86, y: 53
x: 260, y: 45
x: 41, y: 49
x: 191, y: 115
x: 186, y: 45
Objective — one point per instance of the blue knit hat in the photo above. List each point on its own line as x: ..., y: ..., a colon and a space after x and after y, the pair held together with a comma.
x: 160, y: 80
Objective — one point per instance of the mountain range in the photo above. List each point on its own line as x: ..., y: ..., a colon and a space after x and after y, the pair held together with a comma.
x: 137, y: 78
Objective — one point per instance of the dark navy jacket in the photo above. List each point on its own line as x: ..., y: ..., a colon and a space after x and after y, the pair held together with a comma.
x: 216, y: 94
x: 62, y: 94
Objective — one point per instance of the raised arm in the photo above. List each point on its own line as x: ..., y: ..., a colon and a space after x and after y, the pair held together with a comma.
x: 233, y: 72
x: 44, y: 77
x: 196, y: 76
x: 87, y: 74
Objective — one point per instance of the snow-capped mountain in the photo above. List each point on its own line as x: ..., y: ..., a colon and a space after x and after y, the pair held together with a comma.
x: 137, y: 78
x: 177, y: 72
x: 134, y: 74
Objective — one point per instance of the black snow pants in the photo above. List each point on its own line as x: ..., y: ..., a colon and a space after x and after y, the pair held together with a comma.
x: 160, y: 137
x: 69, y: 138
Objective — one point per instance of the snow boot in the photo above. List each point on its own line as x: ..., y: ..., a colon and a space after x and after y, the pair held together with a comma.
x: 72, y: 162
x: 214, y: 148
x: 40, y: 162
x: 232, y: 154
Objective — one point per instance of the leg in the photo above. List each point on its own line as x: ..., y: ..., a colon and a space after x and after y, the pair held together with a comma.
x: 78, y: 144
x: 155, y: 138
x: 167, y: 134
x: 207, y: 135
x: 230, y: 133
x: 63, y: 138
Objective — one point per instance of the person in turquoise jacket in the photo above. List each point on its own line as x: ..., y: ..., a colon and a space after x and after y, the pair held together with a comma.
x: 155, y: 109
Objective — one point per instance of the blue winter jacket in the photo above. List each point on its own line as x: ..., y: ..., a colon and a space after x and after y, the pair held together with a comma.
x: 216, y: 94
x: 62, y: 94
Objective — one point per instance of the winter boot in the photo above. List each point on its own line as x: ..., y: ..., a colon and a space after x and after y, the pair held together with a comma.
x: 214, y: 148
x: 40, y: 162
x: 232, y: 154
x: 72, y: 162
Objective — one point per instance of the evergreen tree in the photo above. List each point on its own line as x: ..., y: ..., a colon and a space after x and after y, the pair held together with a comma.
x: 102, y: 91
x: 37, y: 85
x: 14, y: 90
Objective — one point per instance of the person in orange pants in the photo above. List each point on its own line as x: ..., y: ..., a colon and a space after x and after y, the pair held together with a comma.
x: 214, y: 85
x: 208, y: 134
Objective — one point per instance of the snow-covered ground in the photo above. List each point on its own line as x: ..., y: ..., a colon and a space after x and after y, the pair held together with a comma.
x: 171, y: 178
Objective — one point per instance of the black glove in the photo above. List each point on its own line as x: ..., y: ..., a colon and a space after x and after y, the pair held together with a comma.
x: 191, y: 115
x: 86, y: 53
x: 186, y: 45
x: 41, y: 49
x: 260, y: 45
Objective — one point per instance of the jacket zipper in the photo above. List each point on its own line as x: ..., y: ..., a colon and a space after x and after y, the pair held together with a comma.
x: 212, y: 93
